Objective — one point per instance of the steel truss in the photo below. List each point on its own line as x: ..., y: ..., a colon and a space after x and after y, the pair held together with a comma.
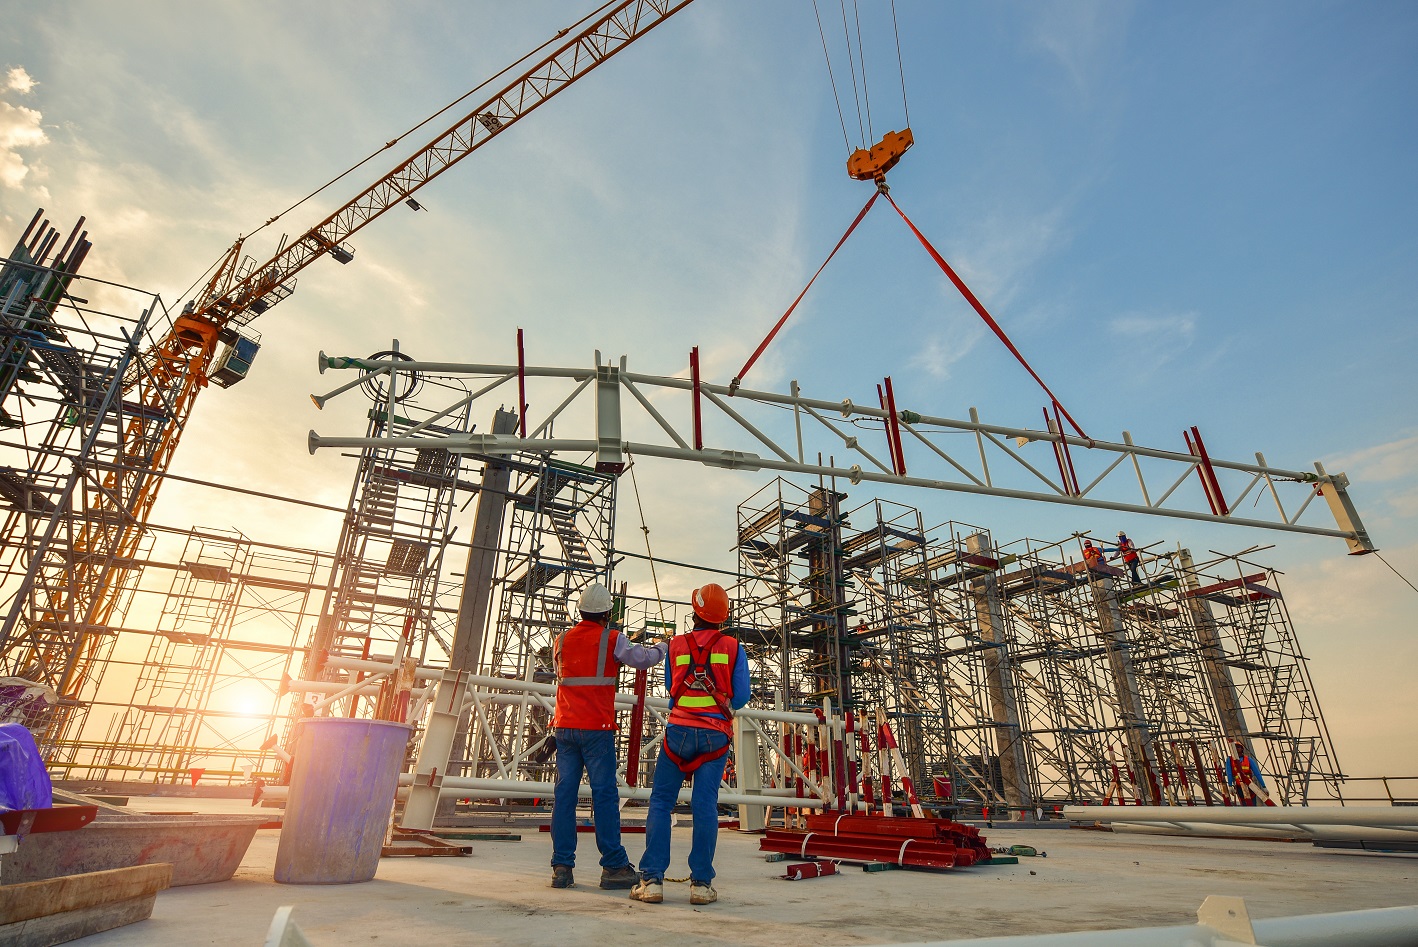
x: 1125, y: 477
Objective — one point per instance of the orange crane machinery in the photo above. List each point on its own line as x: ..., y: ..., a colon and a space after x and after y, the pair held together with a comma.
x: 54, y: 630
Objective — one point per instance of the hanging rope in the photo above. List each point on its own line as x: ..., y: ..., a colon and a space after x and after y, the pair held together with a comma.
x: 852, y: 65
x: 830, y: 77
x: 862, y: 58
x: 901, y: 69
x: 1397, y: 573
x: 645, y: 530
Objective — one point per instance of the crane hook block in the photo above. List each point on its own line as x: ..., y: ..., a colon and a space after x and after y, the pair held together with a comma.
x: 871, y: 164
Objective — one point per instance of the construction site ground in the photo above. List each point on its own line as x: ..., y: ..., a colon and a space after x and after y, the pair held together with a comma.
x: 501, y: 894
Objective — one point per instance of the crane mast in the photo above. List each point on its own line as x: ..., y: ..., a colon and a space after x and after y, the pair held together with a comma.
x: 55, y: 638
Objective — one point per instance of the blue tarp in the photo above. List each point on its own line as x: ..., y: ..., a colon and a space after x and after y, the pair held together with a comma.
x: 24, y: 782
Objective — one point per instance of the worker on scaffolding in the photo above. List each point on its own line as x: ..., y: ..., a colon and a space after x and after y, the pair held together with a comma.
x: 1093, y: 557
x: 587, y: 659
x: 707, y: 675
x: 1130, y: 555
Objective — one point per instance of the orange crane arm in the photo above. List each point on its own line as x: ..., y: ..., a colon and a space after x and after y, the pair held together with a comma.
x: 237, y: 295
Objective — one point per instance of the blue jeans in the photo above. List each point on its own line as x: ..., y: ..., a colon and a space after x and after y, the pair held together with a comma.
x: 687, y: 743
x: 593, y: 751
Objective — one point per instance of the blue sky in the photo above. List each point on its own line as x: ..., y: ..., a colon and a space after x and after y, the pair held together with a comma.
x: 1183, y: 214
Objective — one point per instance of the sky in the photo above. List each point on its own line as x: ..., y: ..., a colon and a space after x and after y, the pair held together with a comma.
x: 1194, y: 214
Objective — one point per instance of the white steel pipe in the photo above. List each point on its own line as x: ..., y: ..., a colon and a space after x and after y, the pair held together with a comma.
x: 1384, y: 927
x: 1249, y: 815
x: 477, y: 788
x: 1319, y: 833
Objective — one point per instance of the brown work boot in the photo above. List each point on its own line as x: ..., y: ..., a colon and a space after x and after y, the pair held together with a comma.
x: 623, y: 877
x: 561, y: 877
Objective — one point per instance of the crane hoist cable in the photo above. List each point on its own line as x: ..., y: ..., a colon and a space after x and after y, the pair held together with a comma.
x: 831, y: 77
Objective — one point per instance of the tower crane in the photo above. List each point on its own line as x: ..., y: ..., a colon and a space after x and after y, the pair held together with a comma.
x: 53, y: 640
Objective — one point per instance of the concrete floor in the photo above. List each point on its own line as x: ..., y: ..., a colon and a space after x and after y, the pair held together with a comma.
x: 500, y: 895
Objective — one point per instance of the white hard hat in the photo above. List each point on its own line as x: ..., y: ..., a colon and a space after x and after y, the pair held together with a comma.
x: 596, y: 599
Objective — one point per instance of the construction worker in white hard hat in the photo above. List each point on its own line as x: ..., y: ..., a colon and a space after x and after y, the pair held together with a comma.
x: 1131, y: 559
x: 588, y: 657
x: 707, y: 676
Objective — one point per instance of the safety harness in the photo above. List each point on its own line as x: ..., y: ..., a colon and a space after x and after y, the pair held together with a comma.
x: 699, y: 679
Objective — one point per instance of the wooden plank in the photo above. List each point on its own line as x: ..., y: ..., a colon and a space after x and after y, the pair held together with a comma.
x: 71, y: 925
x: 36, y: 899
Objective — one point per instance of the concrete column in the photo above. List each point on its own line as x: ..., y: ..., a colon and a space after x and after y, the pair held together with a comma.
x: 478, y: 576
x: 999, y: 679
x: 1139, y: 737
x: 1213, y: 658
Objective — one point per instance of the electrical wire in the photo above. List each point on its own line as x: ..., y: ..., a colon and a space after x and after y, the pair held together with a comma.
x: 900, y: 67
x: 830, y: 77
x: 1397, y: 573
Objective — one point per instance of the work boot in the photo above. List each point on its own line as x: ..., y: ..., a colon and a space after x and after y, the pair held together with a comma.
x: 561, y: 877
x: 701, y: 892
x: 623, y: 877
x: 651, y: 892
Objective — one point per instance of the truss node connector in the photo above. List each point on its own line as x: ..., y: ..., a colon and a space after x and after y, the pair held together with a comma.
x: 871, y: 164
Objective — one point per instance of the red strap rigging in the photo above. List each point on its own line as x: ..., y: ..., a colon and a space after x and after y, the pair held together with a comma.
x: 985, y: 315
x: 734, y: 385
x: 949, y: 272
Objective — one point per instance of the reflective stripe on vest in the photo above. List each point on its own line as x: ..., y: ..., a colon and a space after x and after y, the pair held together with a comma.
x: 600, y: 666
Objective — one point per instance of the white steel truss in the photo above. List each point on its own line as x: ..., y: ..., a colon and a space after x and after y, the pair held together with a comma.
x: 1111, y: 475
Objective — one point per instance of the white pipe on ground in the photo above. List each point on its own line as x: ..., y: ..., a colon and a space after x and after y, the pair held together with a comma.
x: 1397, y: 816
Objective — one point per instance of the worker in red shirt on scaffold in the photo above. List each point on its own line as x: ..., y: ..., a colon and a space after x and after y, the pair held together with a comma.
x: 588, y: 658
x: 707, y: 674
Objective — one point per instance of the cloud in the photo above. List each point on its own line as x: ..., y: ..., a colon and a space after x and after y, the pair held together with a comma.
x: 18, y: 80
x: 1152, y: 341
x: 1080, y: 35
x: 942, y: 350
x: 19, y: 128
x: 1394, y: 463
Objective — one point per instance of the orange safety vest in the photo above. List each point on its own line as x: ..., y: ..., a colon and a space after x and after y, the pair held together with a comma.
x: 1091, y: 554
x: 586, y: 674
x: 702, y: 681
x: 1128, y: 550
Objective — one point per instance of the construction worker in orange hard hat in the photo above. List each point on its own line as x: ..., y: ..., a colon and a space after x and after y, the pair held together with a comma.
x: 588, y: 658
x: 707, y: 675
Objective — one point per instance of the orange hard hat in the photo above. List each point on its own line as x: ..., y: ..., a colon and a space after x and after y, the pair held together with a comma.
x: 711, y: 603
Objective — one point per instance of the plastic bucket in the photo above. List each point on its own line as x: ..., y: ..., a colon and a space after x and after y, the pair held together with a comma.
x: 344, y: 776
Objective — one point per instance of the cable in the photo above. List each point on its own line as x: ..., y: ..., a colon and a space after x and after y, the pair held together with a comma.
x: 900, y: 68
x: 635, y: 484
x: 852, y: 64
x: 1396, y: 572
x: 862, y: 57
x: 394, y: 141
x: 831, y: 78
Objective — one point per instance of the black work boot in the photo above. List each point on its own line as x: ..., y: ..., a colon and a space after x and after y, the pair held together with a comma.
x: 561, y: 877
x: 622, y: 877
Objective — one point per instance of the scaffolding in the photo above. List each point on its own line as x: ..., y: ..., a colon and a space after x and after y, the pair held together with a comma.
x: 387, y: 594
x: 558, y: 541
x: 1018, y: 676
x: 205, y: 689
x: 69, y: 547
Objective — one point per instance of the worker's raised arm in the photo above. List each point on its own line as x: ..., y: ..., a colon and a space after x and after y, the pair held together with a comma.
x: 639, y: 656
x: 743, y: 687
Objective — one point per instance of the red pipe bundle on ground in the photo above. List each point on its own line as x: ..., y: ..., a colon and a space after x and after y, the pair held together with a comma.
x: 922, y: 843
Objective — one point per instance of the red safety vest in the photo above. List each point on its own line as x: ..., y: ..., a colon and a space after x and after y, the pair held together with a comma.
x: 1128, y: 550
x: 702, y: 679
x: 586, y: 674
